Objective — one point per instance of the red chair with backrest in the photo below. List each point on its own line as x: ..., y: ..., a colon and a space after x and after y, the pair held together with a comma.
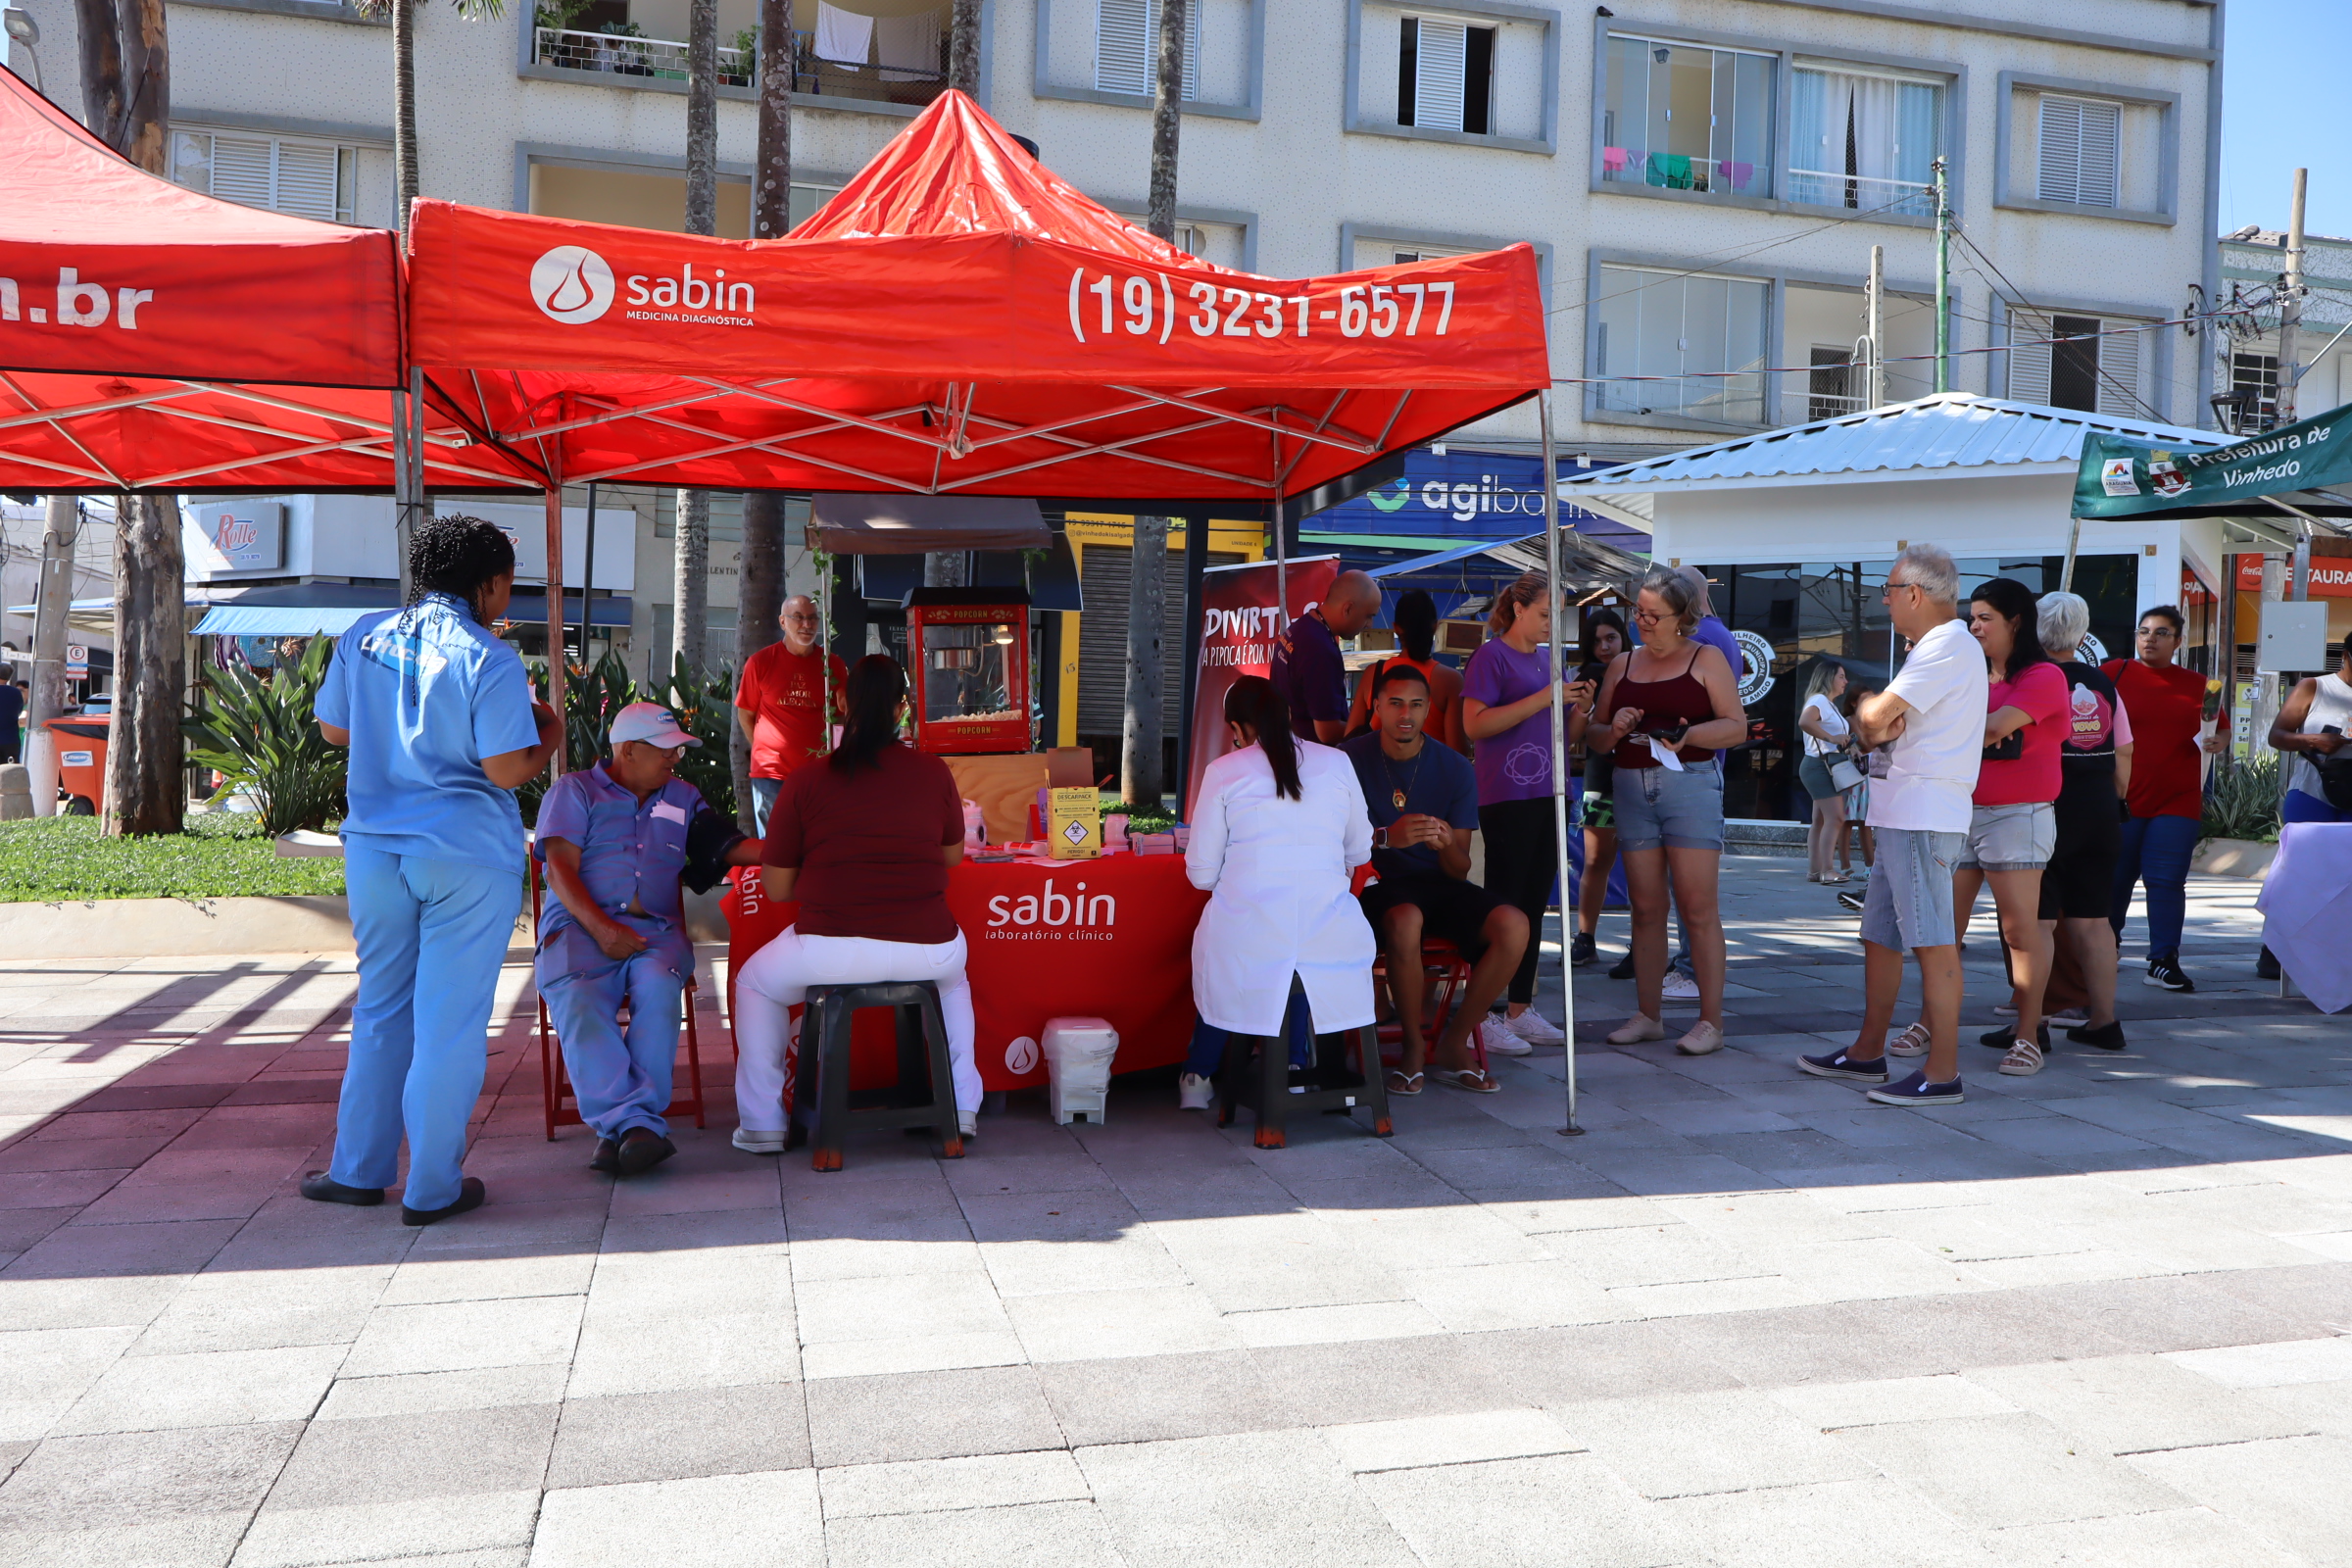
x: 1446, y: 974
x: 554, y: 1084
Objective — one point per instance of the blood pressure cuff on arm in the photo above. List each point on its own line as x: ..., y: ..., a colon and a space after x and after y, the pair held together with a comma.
x: 710, y: 839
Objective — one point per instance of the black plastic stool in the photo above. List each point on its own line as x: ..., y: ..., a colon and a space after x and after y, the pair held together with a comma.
x: 823, y: 1093
x: 1328, y: 1082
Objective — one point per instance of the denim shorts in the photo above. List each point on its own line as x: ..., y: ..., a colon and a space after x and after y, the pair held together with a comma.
x: 1909, y: 903
x: 1659, y: 807
x: 2010, y: 838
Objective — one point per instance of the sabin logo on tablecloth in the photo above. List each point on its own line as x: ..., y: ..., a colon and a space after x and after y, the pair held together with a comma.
x: 572, y: 284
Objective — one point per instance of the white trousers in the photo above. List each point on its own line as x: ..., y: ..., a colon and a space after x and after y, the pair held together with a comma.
x: 778, y: 977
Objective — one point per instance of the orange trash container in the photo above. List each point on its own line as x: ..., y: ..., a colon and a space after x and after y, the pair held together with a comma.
x: 80, y: 742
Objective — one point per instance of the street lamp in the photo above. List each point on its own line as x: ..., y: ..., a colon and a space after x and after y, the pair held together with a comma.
x: 22, y: 30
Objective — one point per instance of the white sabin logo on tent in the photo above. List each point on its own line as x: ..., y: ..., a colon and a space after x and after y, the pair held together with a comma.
x: 572, y: 284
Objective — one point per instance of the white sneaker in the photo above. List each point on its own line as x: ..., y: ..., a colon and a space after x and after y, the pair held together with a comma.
x: 967, y: 1122
x: 1498, y: 1038
x: 1535, y: 1029
x: 1195, y: 1093
x: 1680, y: 987
x: 755, y: 1143
x: 1703, y: 1040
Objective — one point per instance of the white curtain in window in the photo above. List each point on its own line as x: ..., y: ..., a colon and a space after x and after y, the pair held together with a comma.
x: 1872, y: 104
x: 843, y: 36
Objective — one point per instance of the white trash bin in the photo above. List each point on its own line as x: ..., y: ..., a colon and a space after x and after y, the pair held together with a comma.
x: 1078, y: 1054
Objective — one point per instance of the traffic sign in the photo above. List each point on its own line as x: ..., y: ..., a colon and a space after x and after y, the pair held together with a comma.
x: 78, y: 661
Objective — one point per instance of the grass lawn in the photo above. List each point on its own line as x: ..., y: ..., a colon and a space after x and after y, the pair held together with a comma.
x: 59, y: 859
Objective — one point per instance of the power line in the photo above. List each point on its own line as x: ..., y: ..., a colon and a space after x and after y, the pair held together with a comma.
x: 2018, y: 296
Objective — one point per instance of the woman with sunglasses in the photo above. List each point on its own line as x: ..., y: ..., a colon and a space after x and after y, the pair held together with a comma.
x: 1674, y: 703
x: 2166, y: 705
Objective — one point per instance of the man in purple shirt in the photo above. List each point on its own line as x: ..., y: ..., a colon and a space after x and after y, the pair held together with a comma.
x: 1309, y: 671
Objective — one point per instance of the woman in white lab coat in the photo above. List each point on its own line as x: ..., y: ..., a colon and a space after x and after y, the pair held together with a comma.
x: 1278, y: 829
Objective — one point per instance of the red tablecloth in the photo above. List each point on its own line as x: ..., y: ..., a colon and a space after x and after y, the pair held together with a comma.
x: 1109, y: 938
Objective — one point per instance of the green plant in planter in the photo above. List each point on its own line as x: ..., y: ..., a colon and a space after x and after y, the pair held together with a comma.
x: 257, y: 730
x: 2242, y: 802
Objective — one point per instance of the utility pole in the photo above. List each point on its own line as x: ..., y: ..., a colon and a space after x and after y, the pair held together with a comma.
x: 1944, y: 283
x: 53, y: 601
x: 1874, y: 327
x: 2290, y: 307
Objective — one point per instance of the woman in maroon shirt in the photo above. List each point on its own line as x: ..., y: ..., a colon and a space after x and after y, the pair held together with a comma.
x: 863, y: 840
x: 2166, y: 807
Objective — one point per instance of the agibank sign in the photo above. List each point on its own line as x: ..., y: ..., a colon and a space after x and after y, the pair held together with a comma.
x: 1462, y: 495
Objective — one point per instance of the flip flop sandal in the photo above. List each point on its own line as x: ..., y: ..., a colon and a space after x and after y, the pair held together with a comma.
x: 1403, y: 1083
x: 1469, y: 1080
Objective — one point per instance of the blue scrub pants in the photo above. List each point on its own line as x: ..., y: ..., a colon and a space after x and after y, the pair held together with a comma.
x: 2156, y: 850
x: 419, y: 1053
x: 620, y: 1082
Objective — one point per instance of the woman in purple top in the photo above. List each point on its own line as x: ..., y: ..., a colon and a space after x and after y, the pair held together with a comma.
x: 1506, y: 713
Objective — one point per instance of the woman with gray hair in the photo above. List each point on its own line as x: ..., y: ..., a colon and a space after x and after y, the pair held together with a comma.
x: 1674, y: 703
x: 2095, y: 769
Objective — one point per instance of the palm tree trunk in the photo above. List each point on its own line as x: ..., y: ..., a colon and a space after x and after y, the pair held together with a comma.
x: 690, y: 580
x: 760, y: 589
x: 1140, y: 772
x: 103, y: 105
x: 146, y: 788
x: 404, y: 105
x: 147, y: 57
x: 1167, y: 114
x: 964, y: 48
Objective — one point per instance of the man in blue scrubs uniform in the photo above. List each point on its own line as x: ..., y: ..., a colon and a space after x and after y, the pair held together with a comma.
x: 438, y: 716
x: 616, y: 840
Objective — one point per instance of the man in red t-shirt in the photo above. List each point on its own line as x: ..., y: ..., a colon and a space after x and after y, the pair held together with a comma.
x: 780, y: 703
x: 2166, y: 803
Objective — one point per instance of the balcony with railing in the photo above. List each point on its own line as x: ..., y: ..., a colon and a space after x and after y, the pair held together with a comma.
x: 1863, y: 193
x: 632, y: 59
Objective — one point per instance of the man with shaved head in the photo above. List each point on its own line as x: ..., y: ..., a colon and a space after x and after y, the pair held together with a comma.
x: 1309, y: 671
x: 780, y: 704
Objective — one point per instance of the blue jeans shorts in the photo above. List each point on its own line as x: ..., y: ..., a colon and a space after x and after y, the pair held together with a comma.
x: 1910, y: 899
x: 1657, y: 806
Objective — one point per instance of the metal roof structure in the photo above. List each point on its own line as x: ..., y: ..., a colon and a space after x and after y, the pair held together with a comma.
x: 1926, y: 438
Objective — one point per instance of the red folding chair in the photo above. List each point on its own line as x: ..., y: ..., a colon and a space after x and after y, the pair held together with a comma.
x: 554, y: 1084
x: 1446, y: 973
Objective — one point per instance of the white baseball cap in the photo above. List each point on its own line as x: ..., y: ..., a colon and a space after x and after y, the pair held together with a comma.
x: 650, y: 722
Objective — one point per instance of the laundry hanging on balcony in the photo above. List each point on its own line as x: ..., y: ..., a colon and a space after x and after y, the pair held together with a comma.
x: 843, y: 36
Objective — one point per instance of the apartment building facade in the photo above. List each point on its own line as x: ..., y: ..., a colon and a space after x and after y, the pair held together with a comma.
x: 1704, y: 179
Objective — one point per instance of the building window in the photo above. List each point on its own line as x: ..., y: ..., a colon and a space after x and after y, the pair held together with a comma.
x: 1704, y: 336
x: 1862, y: 140
x: 1677, y: 116
x: 2075, y: 159
x: 2089, y: 362
x: 1829, y: 388
x: 1127, y: 45
x: 2255, y: 377
x: 302, y: 178
x: 1445, y: 75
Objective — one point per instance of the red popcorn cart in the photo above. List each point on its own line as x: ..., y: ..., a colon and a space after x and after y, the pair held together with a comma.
x: 967, y: 649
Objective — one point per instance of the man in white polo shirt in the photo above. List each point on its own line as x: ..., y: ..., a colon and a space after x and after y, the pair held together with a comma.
x: 1932, y: 718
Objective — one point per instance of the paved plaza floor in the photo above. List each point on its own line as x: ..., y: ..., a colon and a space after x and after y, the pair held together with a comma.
x: 2102, y: 1317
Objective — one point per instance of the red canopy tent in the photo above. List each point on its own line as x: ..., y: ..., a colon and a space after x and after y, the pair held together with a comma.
x: 152, y: 338
x: 957, y: 321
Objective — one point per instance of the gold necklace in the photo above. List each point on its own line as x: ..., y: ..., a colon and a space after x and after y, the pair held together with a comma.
x: 1397, y: 794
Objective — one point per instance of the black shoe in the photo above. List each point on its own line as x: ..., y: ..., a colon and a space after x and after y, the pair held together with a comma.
x: 2266, y: 967
x: 1623, y: 969
x: 1581, y: 950
x: 642, y: 1148
x: 2107, y: 1036
x: 1853, y: 898
x: 470, y: 1194
x: 2166, y: 972
x: 606, y: 1157
x: 2004, y: 1037
x: 1837, y: 1064
x: 321, y: 1188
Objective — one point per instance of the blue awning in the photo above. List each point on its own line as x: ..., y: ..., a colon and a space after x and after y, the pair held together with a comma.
x: 331, y: 608
x: 281, y: 621
x: 1443, y: 557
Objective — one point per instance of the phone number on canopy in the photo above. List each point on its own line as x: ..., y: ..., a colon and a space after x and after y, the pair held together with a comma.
x: 1134, y: 306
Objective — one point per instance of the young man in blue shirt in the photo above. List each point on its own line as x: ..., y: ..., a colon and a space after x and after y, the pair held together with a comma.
x: 1423, y: 801
x: 616, y: 840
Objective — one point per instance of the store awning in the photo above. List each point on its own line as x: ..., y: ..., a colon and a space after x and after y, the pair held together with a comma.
x: 331, y: 608
x: 904, y: 525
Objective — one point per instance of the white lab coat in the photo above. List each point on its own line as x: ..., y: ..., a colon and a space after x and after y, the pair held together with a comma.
x: 1279, y: 905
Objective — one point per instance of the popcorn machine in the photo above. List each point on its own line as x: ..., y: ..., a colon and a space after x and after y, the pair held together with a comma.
x: 968, y: 649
